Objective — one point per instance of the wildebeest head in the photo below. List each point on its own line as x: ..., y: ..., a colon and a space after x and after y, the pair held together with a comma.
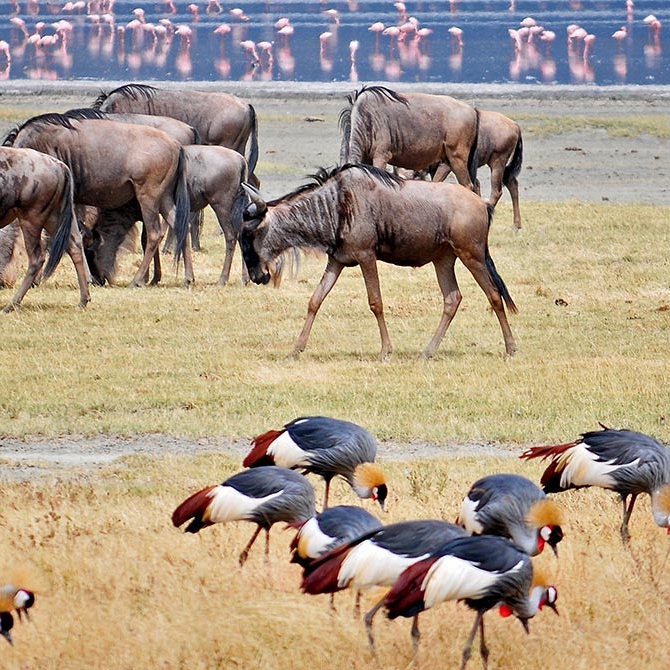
x: 252, y: 233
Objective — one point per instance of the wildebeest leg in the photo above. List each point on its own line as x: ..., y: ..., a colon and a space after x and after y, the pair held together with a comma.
x: 513, y: 188
x: 75, y: 251
x: 35, y: 255
x: 371, y: 277
x: 459, y: 166
x: 330, y: 275
x: 230, y: 236
x: 154, y: 234
x: 158, y: 270
x: 451, y: 295
x: 483, y: 278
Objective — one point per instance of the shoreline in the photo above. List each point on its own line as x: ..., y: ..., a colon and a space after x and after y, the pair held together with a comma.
x: 337, y: 89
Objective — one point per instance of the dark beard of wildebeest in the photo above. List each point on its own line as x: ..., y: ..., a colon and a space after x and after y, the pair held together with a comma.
x: 38, y: 190
x: 139, y: 162
x: 220, y: 118
x: 358, y: 215
x: 214, y: 177
x: 412, y: 131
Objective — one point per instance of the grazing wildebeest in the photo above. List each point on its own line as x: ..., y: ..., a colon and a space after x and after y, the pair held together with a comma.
x: 358, y: 215
x: 500, y: 146
x: 112, y: 163
x: 220, y: 118
x: 37, y: 189
x: 412, y: 131
x: 214, y: 177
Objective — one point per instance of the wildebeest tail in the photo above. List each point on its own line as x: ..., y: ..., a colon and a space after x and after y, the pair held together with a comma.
x: 493, y: 273
x: 473, y: 156
x: 61, y: 237
x: 182, y: 207
x: 499, y: 283
x: 513, y: 168
x: 252, y: 158
x: 344, y: 124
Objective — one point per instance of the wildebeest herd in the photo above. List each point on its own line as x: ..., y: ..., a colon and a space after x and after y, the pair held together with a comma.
x: 157, y: 156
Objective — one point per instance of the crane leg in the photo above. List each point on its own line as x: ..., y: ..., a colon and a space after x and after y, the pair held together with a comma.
x: 415, y: 634
x: 325, y: 499
x: 627, y: 511
x: 245, y: 552
x: 483, y: 649
x: 357, y: 605
x: 468, y: 644
x: 368, y: 623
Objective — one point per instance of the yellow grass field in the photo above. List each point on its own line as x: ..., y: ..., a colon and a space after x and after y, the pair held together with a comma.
x: 118, y: 587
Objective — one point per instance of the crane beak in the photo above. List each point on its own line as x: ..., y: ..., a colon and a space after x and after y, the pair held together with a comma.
x: 8, y: 636
x: 524, y: 623
x: 553, y: 607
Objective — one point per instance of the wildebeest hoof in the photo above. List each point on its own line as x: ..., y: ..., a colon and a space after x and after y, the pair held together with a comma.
x: 11, y: 307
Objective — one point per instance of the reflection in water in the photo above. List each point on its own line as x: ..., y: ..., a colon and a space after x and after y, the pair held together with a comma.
x: 434, y: 41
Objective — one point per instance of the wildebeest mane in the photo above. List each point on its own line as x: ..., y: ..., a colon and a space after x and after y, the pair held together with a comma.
x: 51, y: 118
x: 134, y: 91
x: 379, y: 91
x: 323, y: 175
x: 86, y: 113
x: 344, y: 120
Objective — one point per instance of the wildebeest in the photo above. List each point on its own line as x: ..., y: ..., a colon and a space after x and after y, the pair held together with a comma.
x: 112, y: 163
x: 37, y: 189
x: 220, y: 118
x: 500, y: 146
x: 214, y: 177
x: 357, y: 215
x: 412, y: 131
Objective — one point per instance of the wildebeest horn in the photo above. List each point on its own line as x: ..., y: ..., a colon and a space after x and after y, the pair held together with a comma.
x: 256, y: 199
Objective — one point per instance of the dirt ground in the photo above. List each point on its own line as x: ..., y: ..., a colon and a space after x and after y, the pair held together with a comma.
x: 298, y: 133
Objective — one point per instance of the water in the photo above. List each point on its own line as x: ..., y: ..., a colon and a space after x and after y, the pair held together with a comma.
x: 104, y: 39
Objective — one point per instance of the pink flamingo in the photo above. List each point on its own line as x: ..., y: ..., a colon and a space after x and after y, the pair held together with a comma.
x: 619, y: 36
x: 353, y: 71
x: 547, y: 36
x: 456, y: 38
x: 377, y: 27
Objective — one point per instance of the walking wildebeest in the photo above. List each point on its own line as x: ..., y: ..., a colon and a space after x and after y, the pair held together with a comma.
x: 37, y: 189
x: 214, y: 177
x: 358, y: 215
x: 412, y: 131
x: 111, y: 164
x: 220, y: 118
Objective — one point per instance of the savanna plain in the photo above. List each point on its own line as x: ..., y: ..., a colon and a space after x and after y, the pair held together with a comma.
x: 112, y: 415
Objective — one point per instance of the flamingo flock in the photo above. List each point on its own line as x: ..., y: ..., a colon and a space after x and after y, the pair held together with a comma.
x: 39, y: 41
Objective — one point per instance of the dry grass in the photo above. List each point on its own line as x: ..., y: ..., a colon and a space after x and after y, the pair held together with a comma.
x: 123, y: 589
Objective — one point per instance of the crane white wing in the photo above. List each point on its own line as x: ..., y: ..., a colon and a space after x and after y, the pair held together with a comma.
x: 228, y: 504
x: 452, y: 578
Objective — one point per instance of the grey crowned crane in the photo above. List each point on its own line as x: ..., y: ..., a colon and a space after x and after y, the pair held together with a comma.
x: 485, y: 571
x: 328, y: 448
x: 328, y: 530
x: 263, y: 496
x: 376, y: 559
x: 514, y: 507
x: 624, y: 461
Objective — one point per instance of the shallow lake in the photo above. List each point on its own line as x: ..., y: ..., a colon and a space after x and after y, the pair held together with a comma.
x: 438, y: 42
